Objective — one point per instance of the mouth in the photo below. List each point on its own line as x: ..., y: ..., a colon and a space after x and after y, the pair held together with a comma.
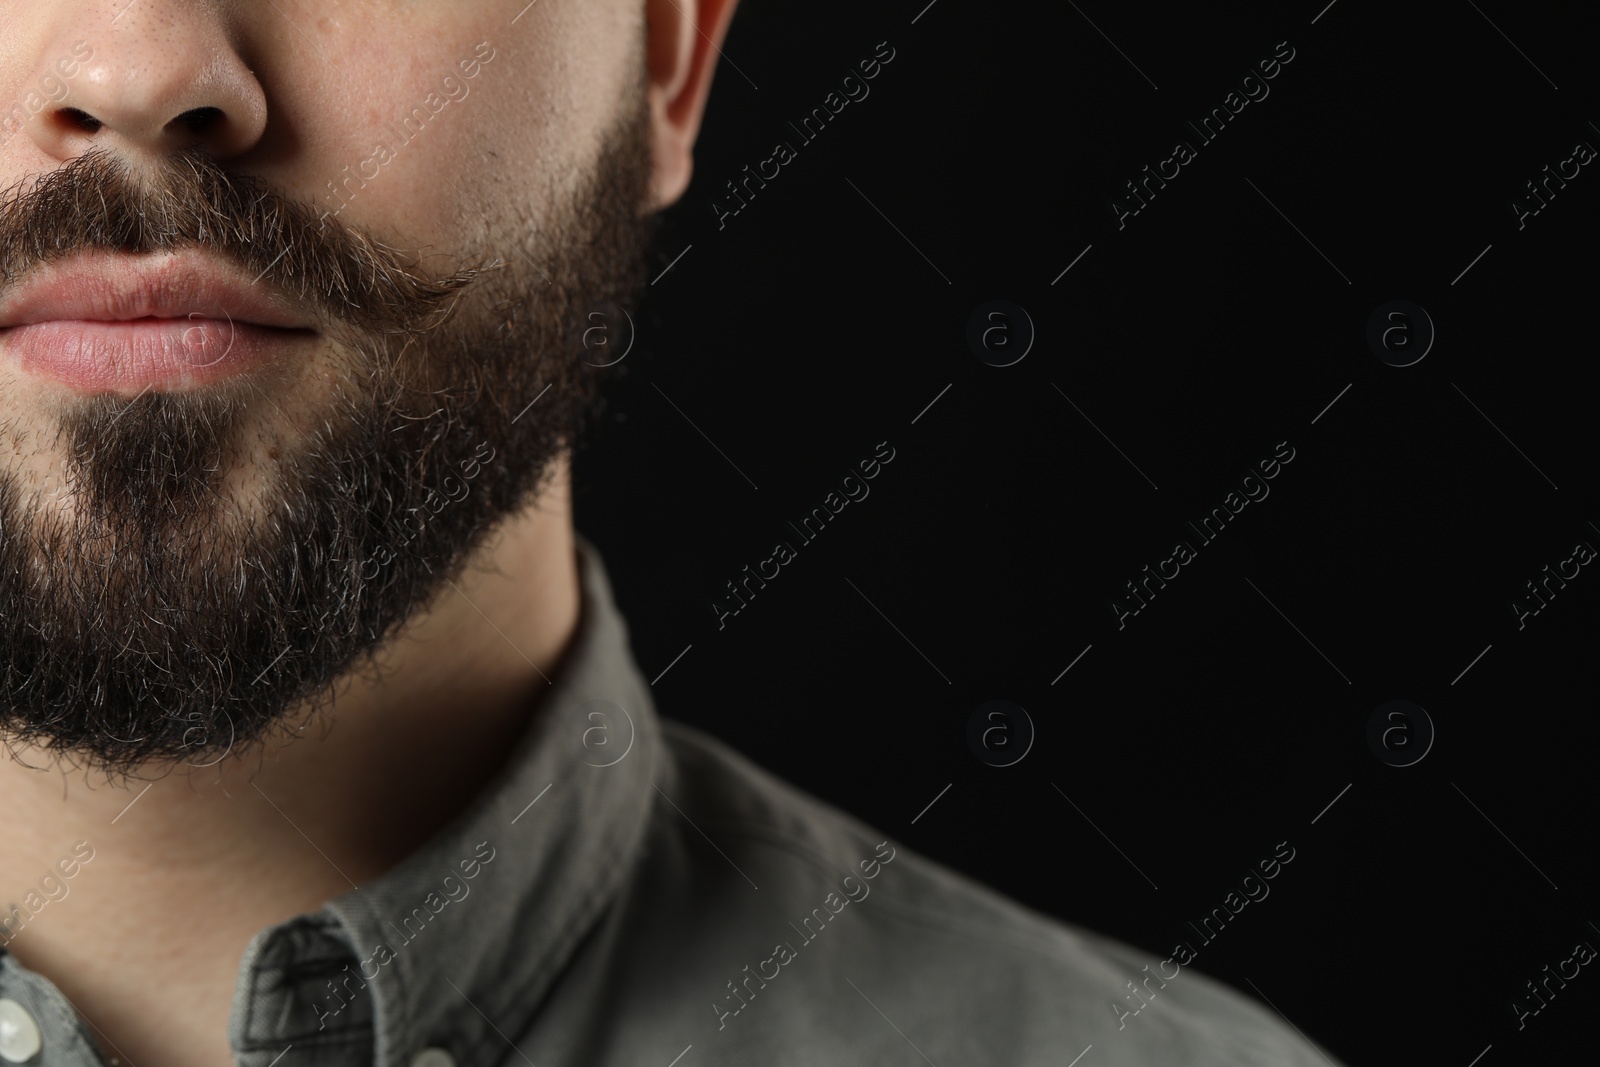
x: 114, y: 323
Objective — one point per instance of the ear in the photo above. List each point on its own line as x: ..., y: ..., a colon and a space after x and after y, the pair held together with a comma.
x: 685, y: 45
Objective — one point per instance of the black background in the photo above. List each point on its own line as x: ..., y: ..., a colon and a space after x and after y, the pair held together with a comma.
x: 1228, y: 714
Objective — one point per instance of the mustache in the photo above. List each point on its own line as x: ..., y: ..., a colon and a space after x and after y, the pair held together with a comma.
x: 98, y: 202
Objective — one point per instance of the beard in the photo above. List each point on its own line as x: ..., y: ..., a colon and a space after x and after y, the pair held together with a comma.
x: 194, y: 566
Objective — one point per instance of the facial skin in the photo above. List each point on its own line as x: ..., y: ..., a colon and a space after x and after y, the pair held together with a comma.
x: 118, y: 511
x: 182, y: 562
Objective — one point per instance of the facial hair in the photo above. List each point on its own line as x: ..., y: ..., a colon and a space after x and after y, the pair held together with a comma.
x: 196, y: 582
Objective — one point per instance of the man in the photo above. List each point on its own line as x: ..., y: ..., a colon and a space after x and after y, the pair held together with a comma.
x: 326, y: 747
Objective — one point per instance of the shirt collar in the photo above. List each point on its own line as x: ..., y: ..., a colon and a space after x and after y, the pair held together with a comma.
x: 459, y: 943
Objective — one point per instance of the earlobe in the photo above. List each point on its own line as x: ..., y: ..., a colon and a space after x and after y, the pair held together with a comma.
x: 684, y: 47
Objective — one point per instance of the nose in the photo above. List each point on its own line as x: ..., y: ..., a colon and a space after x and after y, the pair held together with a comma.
x: 151, y: 77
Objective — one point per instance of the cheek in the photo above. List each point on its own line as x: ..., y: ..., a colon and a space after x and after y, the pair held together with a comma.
x: 467, y: 172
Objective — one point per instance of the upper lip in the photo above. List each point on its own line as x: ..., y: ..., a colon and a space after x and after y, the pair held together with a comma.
x: 116, y: 287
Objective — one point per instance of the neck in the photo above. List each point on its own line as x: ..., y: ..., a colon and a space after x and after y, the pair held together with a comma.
x: 207, y: 857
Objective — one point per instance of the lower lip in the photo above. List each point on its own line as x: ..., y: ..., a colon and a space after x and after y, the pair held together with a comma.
x: 142, y: 354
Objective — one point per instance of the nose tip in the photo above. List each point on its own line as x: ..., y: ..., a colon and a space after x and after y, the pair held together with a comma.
x: 157, y: 82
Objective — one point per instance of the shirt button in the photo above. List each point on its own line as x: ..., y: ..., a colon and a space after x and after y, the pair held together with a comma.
x: 19, y: 1034
x: 433, y: 1057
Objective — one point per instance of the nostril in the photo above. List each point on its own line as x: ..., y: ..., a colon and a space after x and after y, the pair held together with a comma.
x: 199, y: 119
x: 81, y: 120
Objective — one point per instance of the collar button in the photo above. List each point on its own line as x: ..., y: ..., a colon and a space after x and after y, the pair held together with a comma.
x: 19, y: 1034
x: 433, y: 1057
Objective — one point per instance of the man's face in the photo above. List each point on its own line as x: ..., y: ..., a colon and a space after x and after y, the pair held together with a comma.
x: 291, y: 307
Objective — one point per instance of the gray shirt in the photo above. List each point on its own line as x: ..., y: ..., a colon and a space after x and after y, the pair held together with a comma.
x: 630, y: 891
